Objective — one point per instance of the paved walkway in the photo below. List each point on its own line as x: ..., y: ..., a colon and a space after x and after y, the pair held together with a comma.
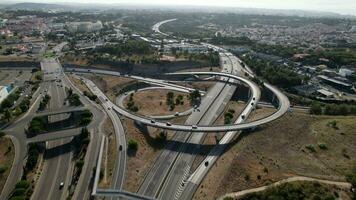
x: 292, y: 179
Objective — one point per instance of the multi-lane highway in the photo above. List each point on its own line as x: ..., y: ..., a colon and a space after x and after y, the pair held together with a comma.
x: 155, y: 27
x: 282, y: 99
x: 120, y: 164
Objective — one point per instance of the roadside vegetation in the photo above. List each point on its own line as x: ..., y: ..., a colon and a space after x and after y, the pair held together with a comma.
x: 25, y: 187
x: 73, y: 98
x: 80, y: 144
x: 44, y: 102
x: 228, y: 116
x: 7, y: 153
x: 318, y: 108
x: 296, y: 190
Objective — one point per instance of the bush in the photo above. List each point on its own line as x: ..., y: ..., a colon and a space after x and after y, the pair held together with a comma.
x: 22, y: 184
x: 133, y: 145
x: 315, y: 108
x: 322, y: 146
x: 311, y: 148
x: 3, y: 169
x: 79, y: 163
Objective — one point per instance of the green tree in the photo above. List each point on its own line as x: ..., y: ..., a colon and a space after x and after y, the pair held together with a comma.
x: 7, y: 115
x: 132, y: 145
x: 315, y: 108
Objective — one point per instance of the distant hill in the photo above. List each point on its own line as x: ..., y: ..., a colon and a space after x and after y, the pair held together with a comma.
x: 180, y: 8
x: 35, y: 6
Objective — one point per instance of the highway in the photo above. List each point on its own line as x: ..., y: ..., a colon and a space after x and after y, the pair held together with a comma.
x: 58, y: 155
x: 282, y: 99
x: 155, y: 27
x: 16, y: 132
x: 120, y: 164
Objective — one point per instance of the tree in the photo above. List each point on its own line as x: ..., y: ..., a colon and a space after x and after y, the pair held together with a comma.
x: 351, y: 178
x: 315, y: 108
x: 7, y: 115
x: 133, y: 145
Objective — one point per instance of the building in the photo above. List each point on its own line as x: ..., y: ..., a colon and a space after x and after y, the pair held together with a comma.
x: 345, y: 72
x: 306, y: 90
x: 84, y: 26
x: 4, y: 92
x: 325, y: 93
x: 336, y: 83
x: 353, y: 29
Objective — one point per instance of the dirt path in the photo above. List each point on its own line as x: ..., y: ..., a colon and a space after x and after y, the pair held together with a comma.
x: 292, y: 179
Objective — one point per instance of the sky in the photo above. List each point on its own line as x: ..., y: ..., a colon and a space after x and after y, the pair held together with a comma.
x: 338, y: 6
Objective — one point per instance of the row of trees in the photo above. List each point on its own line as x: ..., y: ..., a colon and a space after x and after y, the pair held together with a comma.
x: 130, y: 47
x: 317, y: 108
x: 73, y: 98
x: 131, y: 104
x: 44, y: 102
x: 171, y: 102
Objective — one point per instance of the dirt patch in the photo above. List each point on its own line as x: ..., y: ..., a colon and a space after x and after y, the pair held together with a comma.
x: 282, y: 149
x: 154, y: 102
x: 110, y: 85
x: 79, y: 84
x: 139, y: 162
x: 7, y: 153
x: 259, y: 113
x: 109, y: 156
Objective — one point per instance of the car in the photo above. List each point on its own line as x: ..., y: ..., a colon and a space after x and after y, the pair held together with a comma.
x: 168, y: 124
x: 120, y: 148
x: 252, y: 104
x: 206, y: 163
x: 109, y: 108
x: 254, y: 98
x: 194, y: 126
x: 243, y: 116
x: 61, y: 185
x: 176, y: 114
x: 153, y: 121
x: 106, y: 100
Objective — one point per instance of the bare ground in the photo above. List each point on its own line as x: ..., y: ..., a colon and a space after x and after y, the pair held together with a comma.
x: 110, y: 85
x: 7, y: 153
x: 153, y: 102
x: 279, y: 150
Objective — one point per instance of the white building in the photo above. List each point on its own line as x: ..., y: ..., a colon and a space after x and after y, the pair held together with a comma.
x: 353, y: 29
x: 84, y: 26
x: 345, y: 72
x: 4, y: 92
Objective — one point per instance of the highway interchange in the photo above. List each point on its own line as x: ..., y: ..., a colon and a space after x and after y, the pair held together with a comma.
x: 171, y: 176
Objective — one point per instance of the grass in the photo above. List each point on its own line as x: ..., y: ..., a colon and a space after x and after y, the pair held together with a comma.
x: 7, y: 153
x: 283, y: 147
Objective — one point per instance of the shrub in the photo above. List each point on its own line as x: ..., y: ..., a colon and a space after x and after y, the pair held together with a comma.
x: 311, y: 148
x: 322, y: 146
x: 132, y: 145
x: 22, y: 184
x: 2, y: 169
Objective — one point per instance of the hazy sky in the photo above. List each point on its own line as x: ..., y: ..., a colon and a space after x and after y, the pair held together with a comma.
x: 339, y: 6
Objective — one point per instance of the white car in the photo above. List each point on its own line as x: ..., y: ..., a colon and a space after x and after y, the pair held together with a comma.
x: 61, y: 185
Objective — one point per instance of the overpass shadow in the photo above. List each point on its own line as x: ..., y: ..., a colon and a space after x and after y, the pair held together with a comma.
x: 191, y: 148
x: 58, y: 150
